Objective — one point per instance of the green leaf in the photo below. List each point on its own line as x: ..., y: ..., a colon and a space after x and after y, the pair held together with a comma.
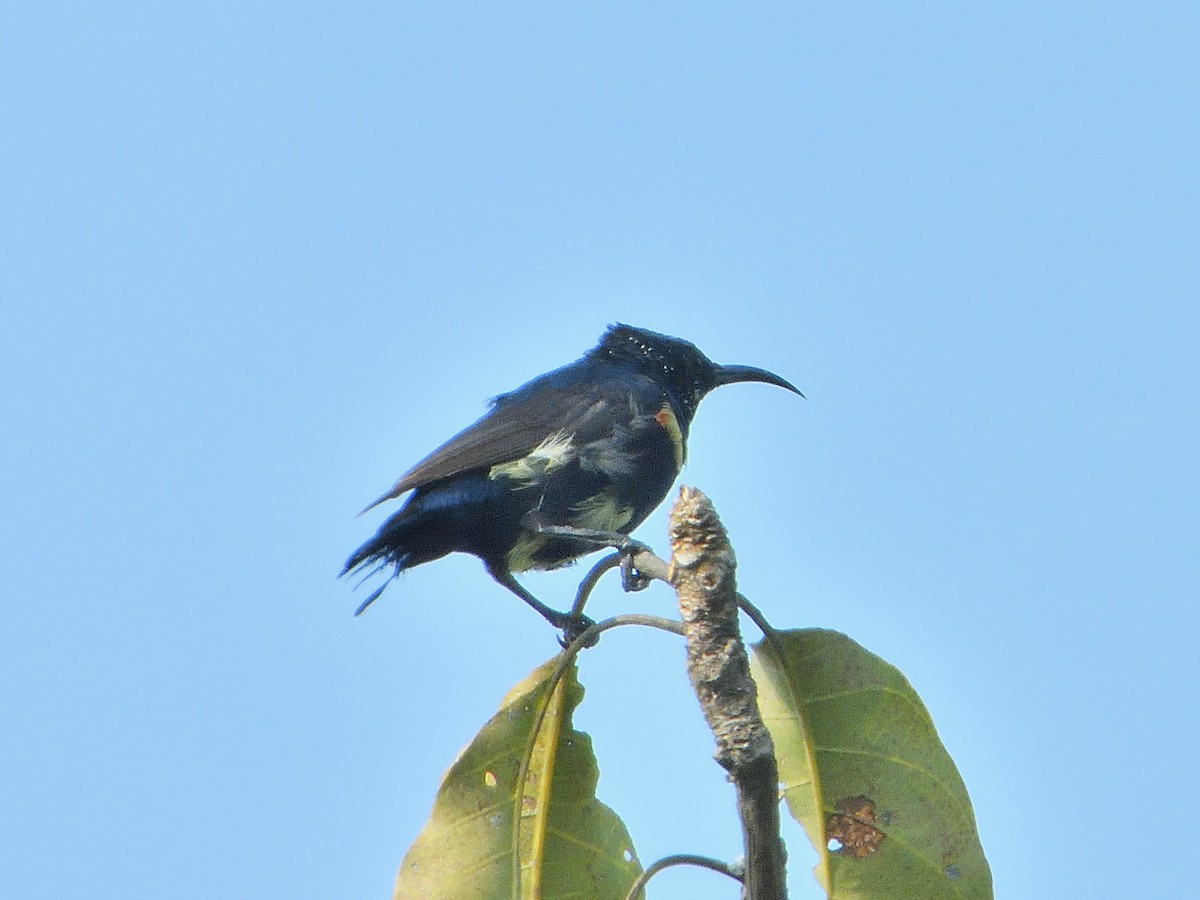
x: 516, y: 815
x: 865, y: 774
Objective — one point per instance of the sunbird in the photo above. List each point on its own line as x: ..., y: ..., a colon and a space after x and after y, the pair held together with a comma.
x: 571, y: 462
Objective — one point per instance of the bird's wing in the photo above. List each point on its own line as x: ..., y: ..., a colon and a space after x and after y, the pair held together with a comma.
x: 517, y: 424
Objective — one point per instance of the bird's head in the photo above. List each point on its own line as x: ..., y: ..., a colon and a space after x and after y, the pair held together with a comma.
x: 678, y: 364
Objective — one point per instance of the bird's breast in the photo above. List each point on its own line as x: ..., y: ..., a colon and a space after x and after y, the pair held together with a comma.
x: 607, y: 480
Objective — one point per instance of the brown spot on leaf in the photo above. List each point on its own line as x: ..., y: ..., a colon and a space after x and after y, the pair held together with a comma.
x: 852, y: 827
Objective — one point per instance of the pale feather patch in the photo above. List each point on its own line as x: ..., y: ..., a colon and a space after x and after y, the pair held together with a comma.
x: 552, y: 453
x: 520, y: 557
x: 601, y: 513
x: 666, y: 418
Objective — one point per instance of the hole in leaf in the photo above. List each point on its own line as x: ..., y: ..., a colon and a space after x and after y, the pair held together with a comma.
x: 852, y: 826
x: 834, y: 845
x: 628, y: 854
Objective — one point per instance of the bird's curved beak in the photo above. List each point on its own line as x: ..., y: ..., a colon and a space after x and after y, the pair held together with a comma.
x: 736, y: 374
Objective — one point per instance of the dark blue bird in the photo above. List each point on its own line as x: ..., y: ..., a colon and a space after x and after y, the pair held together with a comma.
x: 572, y: 461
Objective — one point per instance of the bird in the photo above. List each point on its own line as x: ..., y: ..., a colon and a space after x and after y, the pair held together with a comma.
x: 568, y: 463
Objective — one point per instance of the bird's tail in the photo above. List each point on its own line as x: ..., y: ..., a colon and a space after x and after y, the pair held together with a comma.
x: 386, y: 548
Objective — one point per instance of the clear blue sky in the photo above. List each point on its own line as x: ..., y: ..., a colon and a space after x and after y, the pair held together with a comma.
x: 256, y: 259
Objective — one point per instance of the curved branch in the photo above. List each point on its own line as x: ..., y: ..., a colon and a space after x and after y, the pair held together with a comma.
x: 755, y: 615
x: 652, y: 567
x: 646, y: 564
x: 681, y: 859
x: 591, y: 579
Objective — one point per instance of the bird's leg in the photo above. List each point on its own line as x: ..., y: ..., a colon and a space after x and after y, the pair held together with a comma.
x: 571, y: 625
x: 631, y: 579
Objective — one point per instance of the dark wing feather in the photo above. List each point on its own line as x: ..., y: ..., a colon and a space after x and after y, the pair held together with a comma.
x: 515, y: 425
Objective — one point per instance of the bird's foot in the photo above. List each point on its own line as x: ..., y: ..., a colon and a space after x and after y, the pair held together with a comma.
x: 572, y: 625
x: 631, y: 578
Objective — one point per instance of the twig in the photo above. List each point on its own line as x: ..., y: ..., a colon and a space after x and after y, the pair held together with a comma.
x: 755, y: 615
x: 702, y: 570
x: 645, y: 563
x: 591, y: 579
x: 680, y: 859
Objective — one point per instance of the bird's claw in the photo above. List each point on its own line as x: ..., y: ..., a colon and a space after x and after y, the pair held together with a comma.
x: 631, y: 579
x: 573, y: 625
